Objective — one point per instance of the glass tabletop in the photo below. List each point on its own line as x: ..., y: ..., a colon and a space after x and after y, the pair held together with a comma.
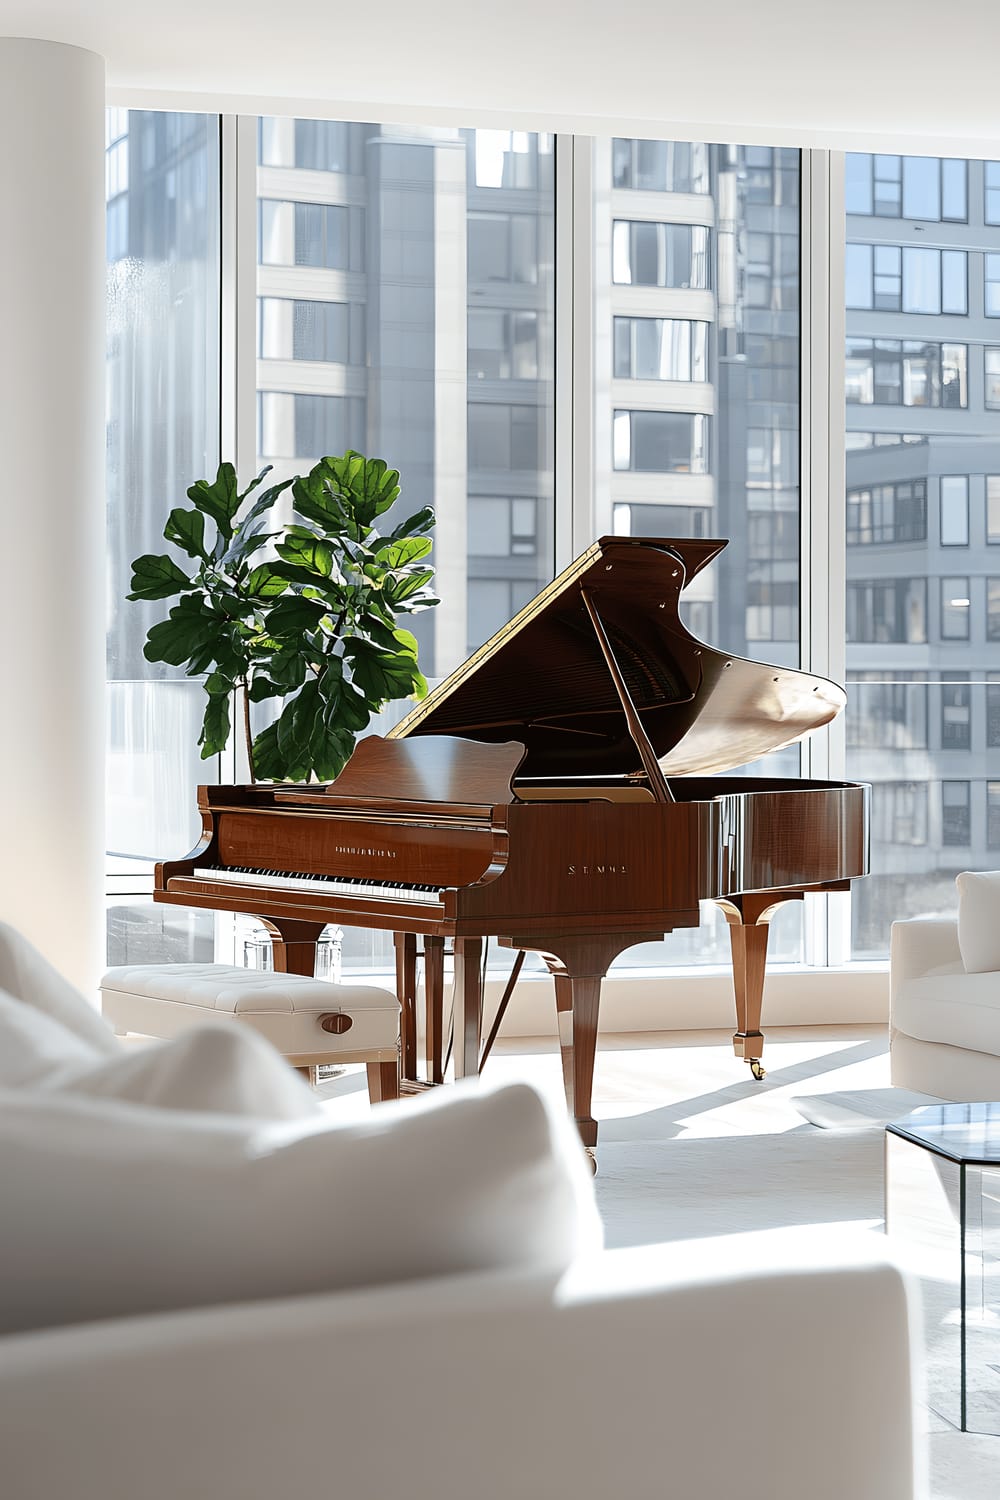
x: 968, y: 1133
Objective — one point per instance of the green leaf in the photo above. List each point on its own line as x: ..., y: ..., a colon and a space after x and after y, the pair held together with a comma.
x: 158, y: 578
x: 417, y: 522
x: 381, y: 675
x: 311, y: 553
x: 330, y: 751
x: 315, y: 498
x: 215, y: 725
x: 189, y: 628
x: 403, y: 586
x: 220, y: 500
x: 264, y: 583
x: 407, y: 641
x: 267, y: 759
x: 186, y: 528
x: 408, y: 550
x: 288, y: 668
x: 294, y: 616
x: 218, y: 683
x: 262, y: 687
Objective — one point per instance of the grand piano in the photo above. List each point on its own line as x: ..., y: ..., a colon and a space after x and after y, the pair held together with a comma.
x: 563, y: 791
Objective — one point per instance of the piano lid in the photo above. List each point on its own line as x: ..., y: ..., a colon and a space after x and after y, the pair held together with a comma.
x: 544, y: 679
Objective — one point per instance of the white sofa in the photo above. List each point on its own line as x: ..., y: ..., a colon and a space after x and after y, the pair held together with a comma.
x: 944, y: 997
x: 200, y: 1301
x: 772, y: 1365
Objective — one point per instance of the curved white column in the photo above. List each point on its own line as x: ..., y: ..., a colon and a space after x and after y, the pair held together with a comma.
x: 52, y: 589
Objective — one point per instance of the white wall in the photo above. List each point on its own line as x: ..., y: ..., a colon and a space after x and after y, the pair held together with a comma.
x: 52, y: 595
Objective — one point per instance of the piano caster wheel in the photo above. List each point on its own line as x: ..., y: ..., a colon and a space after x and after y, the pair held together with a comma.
x: 588, y: 1152
x: 757, y: 1068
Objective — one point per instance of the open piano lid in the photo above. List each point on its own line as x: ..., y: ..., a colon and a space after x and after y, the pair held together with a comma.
x: 544, y: 680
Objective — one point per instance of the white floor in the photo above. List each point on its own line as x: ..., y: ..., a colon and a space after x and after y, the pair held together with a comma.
x: 690, y: 1145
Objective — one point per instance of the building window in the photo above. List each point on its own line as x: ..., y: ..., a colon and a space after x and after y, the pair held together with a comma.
x: 930, y: 188
x: 503, y: 247
x: 955, y: 609
x: 507, y: 437
x: 660, y: 349
x: 993, y: 710
x: 993, y: 509
x: 772, y: 458
x: 899, y: 812
x: 661, y: 166
x: 992, y: 382
x: 660, y: 442
x: 303, y: 426
x: 955, y: 510
x: 681, y: 521
x: 503, y: 345
x: 991, y: 285
x: 327, y: 236
x: 892, y: 609
x: 328, y: 332
x: 993, y: 814
x: 956, y: 712
x: 887, y: 513
x: 908, y: 372
x: 772, y: 610
x: 894, y: 278
x: 648, y: 254
x: 991, y: 192
x: 886, y: 713
x: 993, y: 609
x: 502, y: 527
x: 956, y: 818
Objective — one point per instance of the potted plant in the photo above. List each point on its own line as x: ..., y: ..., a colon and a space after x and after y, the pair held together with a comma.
x: 305, y: 611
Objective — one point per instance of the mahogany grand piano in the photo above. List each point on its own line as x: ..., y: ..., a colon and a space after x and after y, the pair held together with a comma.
x: 562, y: 791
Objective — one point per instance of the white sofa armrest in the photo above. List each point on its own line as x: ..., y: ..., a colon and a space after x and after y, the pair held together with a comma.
x: 770, y: 1364
x: 919, y: 944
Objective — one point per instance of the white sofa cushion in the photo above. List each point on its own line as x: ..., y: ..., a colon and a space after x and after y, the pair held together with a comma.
x: 27, y: 976
x: 979, y: 920
x: 35, y: 1047
x: 113, y: 1208
x: 950, y: 1006
x: 220, y: 1068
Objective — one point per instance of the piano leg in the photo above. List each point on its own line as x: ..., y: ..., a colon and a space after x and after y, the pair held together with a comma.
x: 406, y: 992
x: 293, y: 944
x: 434, y: 999
x: 578, y: 965
x: 468, y: 1005
x: 749, y: 919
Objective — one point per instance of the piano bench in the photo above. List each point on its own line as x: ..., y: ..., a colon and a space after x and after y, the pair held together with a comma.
x: 309, y: 1021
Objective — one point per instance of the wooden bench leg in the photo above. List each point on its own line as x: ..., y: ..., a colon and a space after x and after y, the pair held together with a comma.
x: 383, y: 1081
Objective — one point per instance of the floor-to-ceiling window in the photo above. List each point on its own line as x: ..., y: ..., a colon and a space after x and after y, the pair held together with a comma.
x: 163, y: 232
x: 923, y: 554
x: 405, y: 308
x: 406, y: 304
x: 696, y: 393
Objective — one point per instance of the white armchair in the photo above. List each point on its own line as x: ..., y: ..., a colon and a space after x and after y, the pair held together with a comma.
x: 944, y: 997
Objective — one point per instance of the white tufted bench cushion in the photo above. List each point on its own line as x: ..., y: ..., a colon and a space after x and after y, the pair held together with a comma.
x: 163, y: 1000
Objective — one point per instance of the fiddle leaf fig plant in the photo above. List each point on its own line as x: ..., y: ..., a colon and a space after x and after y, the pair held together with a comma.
x: 303, y: 611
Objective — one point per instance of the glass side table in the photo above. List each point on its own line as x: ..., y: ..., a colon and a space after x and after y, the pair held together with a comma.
x: 942, y: 1204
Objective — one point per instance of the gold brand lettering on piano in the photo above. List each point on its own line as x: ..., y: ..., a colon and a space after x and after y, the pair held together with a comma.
x: 379, y: 853
x: 597, y: 870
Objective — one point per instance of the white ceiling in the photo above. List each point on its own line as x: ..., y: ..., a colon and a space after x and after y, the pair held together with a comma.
x: 823, y: 72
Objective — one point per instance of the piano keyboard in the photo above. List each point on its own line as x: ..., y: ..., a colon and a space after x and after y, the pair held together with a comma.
x: 329, y: 885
